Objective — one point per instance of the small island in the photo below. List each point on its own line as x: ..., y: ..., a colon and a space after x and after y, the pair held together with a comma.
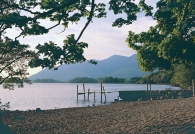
x: 159, y: 77
x: 47, y: 81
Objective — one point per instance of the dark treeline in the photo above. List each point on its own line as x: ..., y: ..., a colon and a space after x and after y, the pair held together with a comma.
x: 157, y: 78
x: 176, y: 78
x: 46, y: 81
x: 133, y: 80
x: 154, y: 78
x: 181, y: 76
x: 160, y: 77
x: 83, y: 80
x: 108, y: 79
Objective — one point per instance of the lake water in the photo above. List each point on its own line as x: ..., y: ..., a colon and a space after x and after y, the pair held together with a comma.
x: 64, y: 95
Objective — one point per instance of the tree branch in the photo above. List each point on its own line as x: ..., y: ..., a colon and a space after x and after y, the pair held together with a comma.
x: 4, y: 79
x: 89, y: 19
x: 55, y: 25
x: 185, y: 12
x: 9, y: 64
x: 62, y: 31
x: 19, y: 34
x: 27, y: 10
x: 44, y: 14
x: 54, y: 9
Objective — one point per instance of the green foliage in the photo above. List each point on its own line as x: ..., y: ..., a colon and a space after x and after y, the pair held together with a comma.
x: 169, y: 45
x: 14, y: 59
x: 83, y: 80
x: 110, y: 79
x: 180, y: 76
x: 171, y: 41
x: 46, y: 81
x: 4, y: 106
x: 53, y: 54
x: 130, y: 9
x: 25, y: 17
x: 160, y: 77
x: 133, y: 80
x: 183, y: 76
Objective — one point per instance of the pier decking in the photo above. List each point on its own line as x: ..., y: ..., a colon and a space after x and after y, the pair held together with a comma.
x: 137, y: 95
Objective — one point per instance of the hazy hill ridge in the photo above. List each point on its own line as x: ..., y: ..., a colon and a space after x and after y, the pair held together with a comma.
x: 116, y: 66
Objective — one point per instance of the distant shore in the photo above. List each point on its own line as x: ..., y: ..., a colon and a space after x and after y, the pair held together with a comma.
x: 159, y: 116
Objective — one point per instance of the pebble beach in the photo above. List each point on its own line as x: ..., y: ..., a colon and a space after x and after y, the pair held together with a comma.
x: 143, y: 117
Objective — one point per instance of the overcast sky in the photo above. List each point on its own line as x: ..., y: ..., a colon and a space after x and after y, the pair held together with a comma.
x: 103, y: 39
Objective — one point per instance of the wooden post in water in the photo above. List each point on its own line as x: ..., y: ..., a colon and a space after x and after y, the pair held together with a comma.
x: 193, y: 87
x: 150, y: 87
x: 101, y: 92
x: 88, y: 94
x: 77, y: 92
x: 94, y: 95
x: 150, y: 91
x: 84, y: 91
x: 147, y: 87
x: 104, y: 94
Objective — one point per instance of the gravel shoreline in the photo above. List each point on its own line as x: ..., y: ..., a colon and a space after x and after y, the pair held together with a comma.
x: 157, y: 116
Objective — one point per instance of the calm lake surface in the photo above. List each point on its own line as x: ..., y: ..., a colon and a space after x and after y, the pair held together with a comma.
x: 64, y: 95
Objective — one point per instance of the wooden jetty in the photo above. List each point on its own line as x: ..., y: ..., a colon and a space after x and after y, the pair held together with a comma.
x: 102, y: 91
x: 125, y: 95
x: 156, y: 94
x: 147, y: 94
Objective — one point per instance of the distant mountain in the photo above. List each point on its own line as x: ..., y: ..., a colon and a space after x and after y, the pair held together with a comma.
x: 115, y: 66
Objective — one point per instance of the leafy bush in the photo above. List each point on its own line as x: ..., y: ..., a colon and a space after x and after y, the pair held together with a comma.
x: 5, y: 106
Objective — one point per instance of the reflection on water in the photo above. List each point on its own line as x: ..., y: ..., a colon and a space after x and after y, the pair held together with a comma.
x: 64, y: 95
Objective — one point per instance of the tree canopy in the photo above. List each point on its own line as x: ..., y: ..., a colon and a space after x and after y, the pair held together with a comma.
x: 133, y: 80
x: 183, y: 75
x: 170, y: 42
x: 25, y: 16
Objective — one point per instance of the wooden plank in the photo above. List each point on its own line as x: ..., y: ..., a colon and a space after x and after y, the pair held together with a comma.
x: 80, y: 93
x: 84, y: 90
x: 77, y: 92
x: 193, y: 87
x: 101, y: 92
x: 94, y: 95
x: 88, y: 94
